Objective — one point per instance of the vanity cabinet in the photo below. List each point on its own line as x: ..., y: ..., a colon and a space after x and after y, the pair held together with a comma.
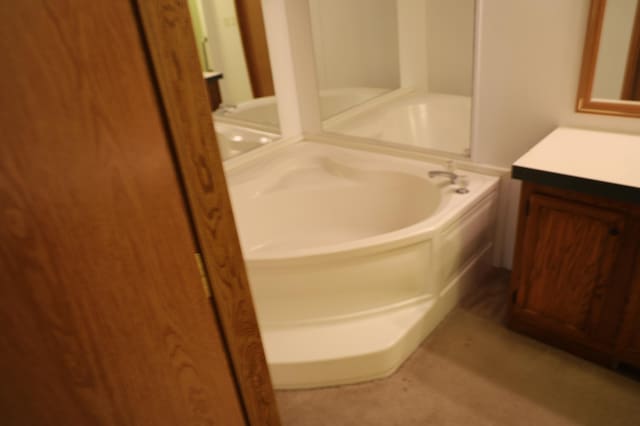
x: 575, y: 282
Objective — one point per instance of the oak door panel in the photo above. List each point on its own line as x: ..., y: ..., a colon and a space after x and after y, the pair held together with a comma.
x: 103, y: 320
x: 568, y: 258
x: 169, y: 38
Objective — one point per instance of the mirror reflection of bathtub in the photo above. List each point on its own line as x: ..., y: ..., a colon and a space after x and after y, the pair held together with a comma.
x: 235, y: 140
x: 264, y: 111
x: 412, y: 117
x: 417, y: 118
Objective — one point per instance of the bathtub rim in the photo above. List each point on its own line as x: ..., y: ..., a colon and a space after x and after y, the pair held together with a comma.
x: 331, y: 126
x: 410, y: 235
x: 506, y: 186
x: 273, y: 99
x: 382, y: 101
x: 355, y: 143
x: 252, y: 125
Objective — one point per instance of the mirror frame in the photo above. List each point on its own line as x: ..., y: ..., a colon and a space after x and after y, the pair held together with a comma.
x: 589, y: 59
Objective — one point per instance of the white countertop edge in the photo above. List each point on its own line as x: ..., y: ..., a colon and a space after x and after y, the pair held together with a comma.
x: 588, y: 154
x: 210, y: 74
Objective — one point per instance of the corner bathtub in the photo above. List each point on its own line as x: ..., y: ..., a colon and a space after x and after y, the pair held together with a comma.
x: 354, y: 257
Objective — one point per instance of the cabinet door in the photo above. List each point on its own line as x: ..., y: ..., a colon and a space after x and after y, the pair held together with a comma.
x: 568, y: 259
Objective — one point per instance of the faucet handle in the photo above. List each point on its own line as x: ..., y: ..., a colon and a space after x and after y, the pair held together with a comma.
x: 451, y: 166
x: 463, y: 183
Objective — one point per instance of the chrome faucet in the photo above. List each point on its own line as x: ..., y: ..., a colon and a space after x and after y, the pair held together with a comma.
x: 452, y: 176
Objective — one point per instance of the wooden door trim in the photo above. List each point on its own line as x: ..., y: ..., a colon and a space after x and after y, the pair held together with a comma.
x: 256, y: 51
x: 584, y: 102
x: 631, y: 82
x: 166, y: 31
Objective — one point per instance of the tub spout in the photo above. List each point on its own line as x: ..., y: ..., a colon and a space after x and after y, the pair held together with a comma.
x: 452, y: 176
x: 455, y: 179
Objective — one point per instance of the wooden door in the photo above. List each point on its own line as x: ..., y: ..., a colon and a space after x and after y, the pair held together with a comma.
x: 566, y: 287
x: 103, y: 317
x: 173, y: 56
x: 256, y: 51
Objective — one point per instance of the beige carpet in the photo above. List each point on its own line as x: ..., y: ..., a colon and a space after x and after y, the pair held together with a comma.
x: 473, y: 371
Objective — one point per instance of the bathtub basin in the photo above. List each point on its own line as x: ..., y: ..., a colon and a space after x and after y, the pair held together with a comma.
x: 326, y: 205
x: 353, y: 257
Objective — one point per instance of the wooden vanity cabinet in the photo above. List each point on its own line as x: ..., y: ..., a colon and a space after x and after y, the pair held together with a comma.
x: 575, y: 283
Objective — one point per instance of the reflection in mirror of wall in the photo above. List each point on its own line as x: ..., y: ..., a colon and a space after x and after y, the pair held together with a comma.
x: 610, y: 79
x: 396, y: 70
x: 617, y: 73
x: 355, y: 44
x: 234, y: 56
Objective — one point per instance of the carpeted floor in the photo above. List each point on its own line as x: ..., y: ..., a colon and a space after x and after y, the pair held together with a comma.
x: 473, y: 371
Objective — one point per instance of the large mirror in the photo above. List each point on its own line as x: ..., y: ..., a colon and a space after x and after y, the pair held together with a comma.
x: 355, y: 44
x: 610, y: 80
x: 233, y: 53
x: 397, y: 71
x: 235, y: 60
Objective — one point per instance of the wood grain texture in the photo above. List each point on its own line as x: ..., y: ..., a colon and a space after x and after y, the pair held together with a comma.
x: 572, y: 277
x: 256, y: 51
x: 569, y: 254
x: 103, y: 320
x: 584, y: 102
x: 167, y: 30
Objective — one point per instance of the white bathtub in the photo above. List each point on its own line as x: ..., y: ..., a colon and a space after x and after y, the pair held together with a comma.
x: 353, y: 257
x: 428, y: 120
x: 264, y: 111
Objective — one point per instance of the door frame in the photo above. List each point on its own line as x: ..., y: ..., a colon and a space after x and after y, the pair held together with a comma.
x: 256, y: 51
x: 631, y: 82
x: 173, y: 60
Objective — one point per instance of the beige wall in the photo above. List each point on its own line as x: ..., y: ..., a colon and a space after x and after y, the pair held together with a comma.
x: 528, y: 72
x: 450, y: 33
x: 226, y: 50
x: 527, y: 79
